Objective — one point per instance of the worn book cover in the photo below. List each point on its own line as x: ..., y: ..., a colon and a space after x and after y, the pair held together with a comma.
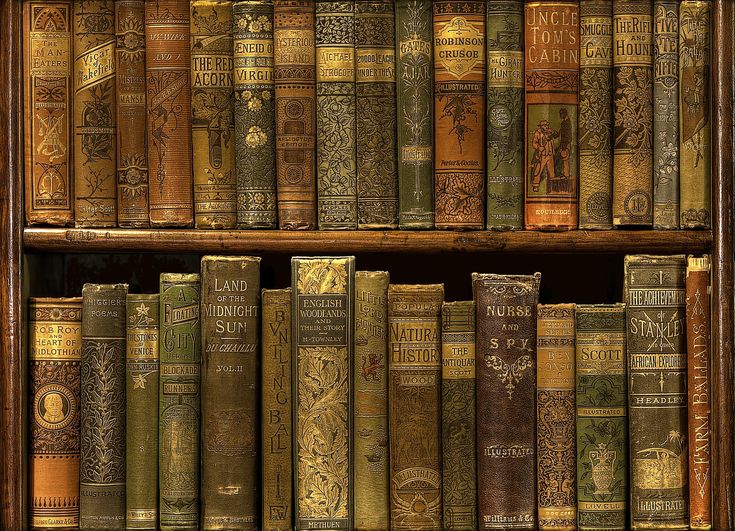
x: 54, y: 350
x: 414, y: 387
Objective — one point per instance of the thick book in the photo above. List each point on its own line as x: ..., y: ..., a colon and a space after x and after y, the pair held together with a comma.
x: 556, y: 455
x: 132, y: 156
x: 48, y: 92
x: 699, y: 391
x: 505, y: 351
x: 179, y: 401
x: 230, y: 321
x: 459, y: 477
x: 141, y: 394
x: 414, y: 398
x: 375, y: 57
x: 95, y: 137
x: 54, y: 351
x: 656, y: 346
x: 322, y: 327
x: 415, y: 114
x: 336, y: 165
x: 552, y: 97
x: 255, y: 118
x: 168, y: 100
x: 370, y: 417
x: 276, y: 404
x: 633, y: 113
x: 505, y: 84
x: 602, y: 430
x: 102, y: 444
x: 294, y: 66
x: 459, y: 114
x: 595, y: 114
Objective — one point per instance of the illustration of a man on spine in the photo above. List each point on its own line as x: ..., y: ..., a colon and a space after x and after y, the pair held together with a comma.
x: 565, y: 151
x: 543, y: 154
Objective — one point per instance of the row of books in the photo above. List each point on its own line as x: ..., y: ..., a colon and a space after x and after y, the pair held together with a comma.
x: 347, y: 402
x: 373, y: 114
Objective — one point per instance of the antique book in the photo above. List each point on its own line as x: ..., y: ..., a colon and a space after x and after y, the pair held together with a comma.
x: 95, y: 171
x: 102, y: 443
x: 377, y: 174
x: 54, y: 350
x: 595, y: 114
x: 179, y: 402
x: 168, y: 92
x: 505, y: 307
x: 552, y: 94
x: 656, y: 345
x: 633, y: 113
x: 141, y: 393
x: 336, y: 165
x: 47, y: 66
x: 213, y: 119
x: 415, y: 114
x: 505, y: 84
x: 370, y: 417
x: 255, y: 119
x: 294, y: 66
x: 132, y: 157
x: 699, y: 353
x: 230, y: 321
x: 459, y: 495
x: 695, y: 147
x: 276, y: 403
x: 555, y: 417
x: 322, y: 326
x: 602, y: 430
x: 459, y: 113
x: 414, y: 398
x: 666, y: 114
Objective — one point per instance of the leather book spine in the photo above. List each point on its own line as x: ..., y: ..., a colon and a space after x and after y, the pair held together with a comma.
x: 212, y: 115
x: 633, y: 113
x: 459, y: 478
x: 505, y: 84
x: 276, y: 406
x: 95, y: 171
x: 255, y: 114
x: 132, y: 156
x: 415, y: 114
x: 168, y: 99
x: 552, y: 97
x: 505, y: 352
x: 699, y: 355
x: 695, y: 114
x: 602, y: 428
x: 230, y: 321
x: 414, y: 398
x: 322, y: 327
x: 595, y: 114
x: 556, y: 456
x: 102, y: 446
x: 294, y: 63
x: 179, y: 402
x: 377, y: 173
x: 48, y: 96
x: 370, y: 429
x: 336, y: 173
x: 655, y: 294
x: 459, y: 114
x: 55, y: 347
x: 141, y: 393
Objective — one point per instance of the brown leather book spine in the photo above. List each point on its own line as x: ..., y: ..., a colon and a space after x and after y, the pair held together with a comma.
x: 132, y: 156
x: 168, y: 65
x: 48, y: 112
x: 295, y: 78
